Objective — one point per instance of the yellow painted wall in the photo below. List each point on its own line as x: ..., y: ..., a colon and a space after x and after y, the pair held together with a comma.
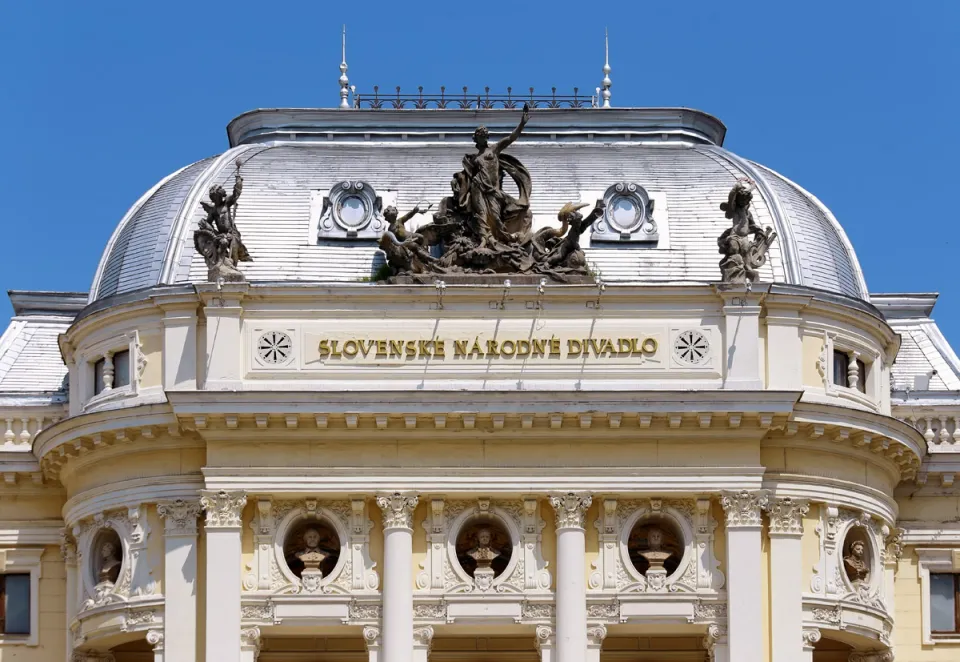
x: 53, y: 629
x: 908, y: 633
x: 549, y: 540
x: 812, y: 348
x: 139, y: 460
x: 151, y: 344
x: 155, y: 547
x: 811, y: 544
x: 419, y: 539
x: 592, y: 537
x: 247, y: 545
x: 376, y: 538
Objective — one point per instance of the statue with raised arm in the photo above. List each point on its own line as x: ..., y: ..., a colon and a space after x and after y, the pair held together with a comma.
x: 478, y: 188
x: 481, y: 230
x: 217, y: 237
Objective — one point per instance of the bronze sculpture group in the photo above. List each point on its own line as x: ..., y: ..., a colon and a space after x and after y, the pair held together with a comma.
x: 480, y: 229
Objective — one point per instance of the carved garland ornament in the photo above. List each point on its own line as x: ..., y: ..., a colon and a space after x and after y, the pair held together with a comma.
x: 397, y: 510
x: 570, y: 509
x: 223, y: 508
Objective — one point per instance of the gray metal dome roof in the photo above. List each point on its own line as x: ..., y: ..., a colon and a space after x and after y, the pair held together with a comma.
x: 288, y: 155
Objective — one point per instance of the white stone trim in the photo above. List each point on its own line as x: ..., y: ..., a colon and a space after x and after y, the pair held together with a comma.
x: 934, y: 559
x: 25, y: 560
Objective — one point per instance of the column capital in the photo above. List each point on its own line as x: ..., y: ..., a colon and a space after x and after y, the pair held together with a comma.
x: 155, y: 639
x: 714, y: 634
x: 223, y: 508
x: 743, y: 507
x: 545, y: 637
x: 570, y: 509
x: 250, y: 640
x: 423, y: 637
x: 810, y: 639
x: 397, y: 509
x: 596, y: 633
x: 371, y: 637
x: 179, y: 517
x: 786, y: 515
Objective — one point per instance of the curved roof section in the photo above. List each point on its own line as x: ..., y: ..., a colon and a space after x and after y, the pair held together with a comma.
x: 567, y: 160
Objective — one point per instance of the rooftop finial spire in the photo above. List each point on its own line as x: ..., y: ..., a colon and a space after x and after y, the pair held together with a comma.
x: 606, y: 69
x: 344, y: 81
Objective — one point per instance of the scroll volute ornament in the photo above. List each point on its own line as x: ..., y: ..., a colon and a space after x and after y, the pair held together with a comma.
x: 570, y: 509
x: 397, y: 510
x: 223, y: 508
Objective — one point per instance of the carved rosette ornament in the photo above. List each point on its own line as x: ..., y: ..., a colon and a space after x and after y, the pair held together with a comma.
x: 397, y: 510
x: 223, y: 508
x: 570, y: 509
x: 743, y: 507
x: 786, y: 516
x: 179, y: 517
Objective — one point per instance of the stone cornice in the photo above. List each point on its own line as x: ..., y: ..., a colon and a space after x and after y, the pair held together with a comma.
x: 337, y: 481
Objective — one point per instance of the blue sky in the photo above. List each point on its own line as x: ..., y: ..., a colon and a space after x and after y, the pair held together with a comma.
x: 856, y: 101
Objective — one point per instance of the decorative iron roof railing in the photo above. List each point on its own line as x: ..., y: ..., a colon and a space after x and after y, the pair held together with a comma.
x: 470, y: 101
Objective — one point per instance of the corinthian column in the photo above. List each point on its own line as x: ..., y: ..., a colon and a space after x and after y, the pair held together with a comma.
x: 224, y: 511
x: 786, y: 577
x: 397, y: 625
x: 180, y: 579
x: 744, y: 590
x: 571, y: 633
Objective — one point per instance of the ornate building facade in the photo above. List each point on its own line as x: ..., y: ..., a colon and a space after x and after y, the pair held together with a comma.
x: 321, y: 459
